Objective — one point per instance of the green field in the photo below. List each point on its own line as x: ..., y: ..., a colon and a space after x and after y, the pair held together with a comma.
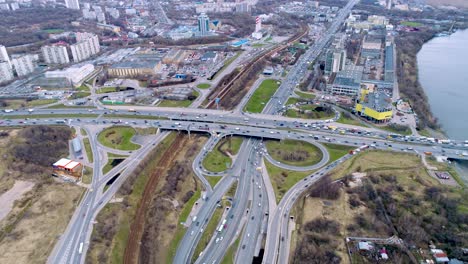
x: 80, y: 95
x: 203, y: 85
x: 261, y: 96
x: 118, y: 137
x: 337, y: 151
x: 294, y: 152
x: 282, y: 180
x: 411, y: 24
x: 218, y: 160
x: 103, y: 90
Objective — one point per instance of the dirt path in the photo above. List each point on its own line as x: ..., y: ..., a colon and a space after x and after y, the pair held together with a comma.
x: 131, y: 253
x: 9, y: 197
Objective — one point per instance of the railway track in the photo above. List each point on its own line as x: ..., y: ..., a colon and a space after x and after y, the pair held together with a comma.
x: 132, y: 248
x: 225, y: 90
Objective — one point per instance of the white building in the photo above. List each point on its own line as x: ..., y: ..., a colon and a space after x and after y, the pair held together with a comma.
x: 72, y: 4
x: 75, y: 74
x: 6, y: 73
x: 87, y: 45
x: 23, y: 65
x: 4, y: 55
x: 55, y: 54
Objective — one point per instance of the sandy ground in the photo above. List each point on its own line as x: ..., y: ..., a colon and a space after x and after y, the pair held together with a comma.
x: 8, y: 198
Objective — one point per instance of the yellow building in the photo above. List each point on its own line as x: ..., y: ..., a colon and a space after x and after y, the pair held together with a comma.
x: 376, y: 106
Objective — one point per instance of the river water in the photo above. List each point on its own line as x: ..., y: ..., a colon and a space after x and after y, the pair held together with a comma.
x: 443, y: 74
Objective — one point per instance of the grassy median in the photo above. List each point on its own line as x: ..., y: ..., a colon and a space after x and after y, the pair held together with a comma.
x: 261, y: 96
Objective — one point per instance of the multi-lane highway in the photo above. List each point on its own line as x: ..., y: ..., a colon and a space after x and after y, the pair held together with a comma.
x: 253, y: 217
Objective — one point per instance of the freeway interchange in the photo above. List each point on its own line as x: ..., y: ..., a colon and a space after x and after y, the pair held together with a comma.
x: 254, y: 219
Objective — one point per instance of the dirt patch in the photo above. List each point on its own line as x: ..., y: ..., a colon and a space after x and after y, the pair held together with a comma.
x: 8, y: 198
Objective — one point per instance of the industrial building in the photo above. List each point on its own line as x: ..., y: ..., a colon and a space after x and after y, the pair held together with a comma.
x: 67, y: 169
x: 134, y: 68
x: 375, y: 106
x: 75, y: 74
x: 76, y: 144
x: 347, y: 81
x: 389, y: 64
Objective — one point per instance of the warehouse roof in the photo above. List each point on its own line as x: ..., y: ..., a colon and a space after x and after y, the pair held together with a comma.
x: 62, y: 162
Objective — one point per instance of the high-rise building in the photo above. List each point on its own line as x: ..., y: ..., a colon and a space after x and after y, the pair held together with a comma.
x: 4, y: 55
x: 335, y: 61
x: 55, y: 54
x: 6, y: 73
x: 243, y: 7
x: 203, y: 24
x: 72, y: 4
x: 87, y: 45
x: 23, y: 65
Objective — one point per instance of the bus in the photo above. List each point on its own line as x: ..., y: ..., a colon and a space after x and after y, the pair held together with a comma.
x: 80, y: 250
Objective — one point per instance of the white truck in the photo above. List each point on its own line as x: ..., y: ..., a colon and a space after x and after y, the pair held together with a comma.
x: 8, y: 110
x: 80, y: 250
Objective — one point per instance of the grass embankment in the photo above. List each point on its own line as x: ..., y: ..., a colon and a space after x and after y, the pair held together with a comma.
x: 348, y: 120
x: 261, y: 96
x: 293, y: 100
x: 337, y: 151
x: 203, y: 85
x: 227, y: 63
x: 395, y: 197
x: 397, y: 129
x: 61, y: 106
x: 118, y: 137
x: 231, y: 253
x: 83, y: 132
x: 111, y: 163
x: 305, y: 95
x: 310, y: 111
x: 79, y: 95
x: 218, y: 160
x: 294, y: 152
x: 174, y: 103
x: 210, y: 229
x: 89, y: 151
x: 87, y: 175
x: 129, y: 116
x: 282, y: 180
